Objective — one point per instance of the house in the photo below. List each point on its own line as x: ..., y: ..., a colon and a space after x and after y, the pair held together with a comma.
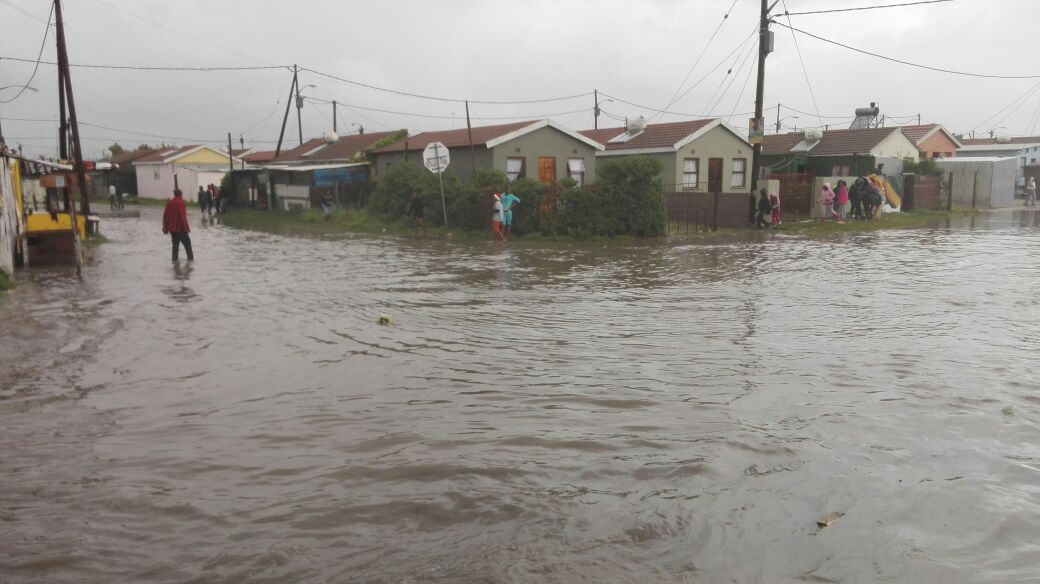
x: 122, y: 173
x: 299, y: 177
x: 852, y: 152
x: 1026, y: 149
x: 187, y: 167
x: 708, y: 155
x: 540, y: 149
x: 933, y: 140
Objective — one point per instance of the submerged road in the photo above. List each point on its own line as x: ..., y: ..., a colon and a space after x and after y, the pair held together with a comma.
x: 553, y: 413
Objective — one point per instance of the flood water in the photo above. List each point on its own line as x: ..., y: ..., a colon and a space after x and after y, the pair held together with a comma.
x: 659, y: 412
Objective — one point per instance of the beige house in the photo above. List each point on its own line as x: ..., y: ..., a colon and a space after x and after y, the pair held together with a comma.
x: 187, y: 167
x: 708, y: 156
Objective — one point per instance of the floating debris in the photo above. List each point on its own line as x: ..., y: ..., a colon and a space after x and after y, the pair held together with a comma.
x: 829, y: 519
x: 385, y: 319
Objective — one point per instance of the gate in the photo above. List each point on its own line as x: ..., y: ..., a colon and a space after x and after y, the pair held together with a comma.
x: 796, y: 195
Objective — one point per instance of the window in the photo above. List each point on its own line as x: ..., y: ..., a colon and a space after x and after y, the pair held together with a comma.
x: 576, y: 170
x: 936, y: 155
x: 690, y: 169
x: 739, y: 176
x: 515, y: 168
x: 839, y: 171
x: 155, y: 172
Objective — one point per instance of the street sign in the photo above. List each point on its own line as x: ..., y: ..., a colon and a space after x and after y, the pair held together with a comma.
x: 436, y: 157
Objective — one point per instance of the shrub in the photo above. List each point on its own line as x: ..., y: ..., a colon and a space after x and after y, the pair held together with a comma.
x: 633, y: 187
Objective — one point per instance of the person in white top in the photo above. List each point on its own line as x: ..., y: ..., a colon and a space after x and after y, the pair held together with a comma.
x: 497, y: 215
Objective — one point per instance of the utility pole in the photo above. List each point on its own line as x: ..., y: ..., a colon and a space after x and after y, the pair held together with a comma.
x: 777, y: 119
x: 81, y: 177
x: 334, y: 116
x: 63, y: 126
x: 285, y: 118
x: 595, y: 109
x: 299, y: 108
x: 765, y: 46
x: 231, y: 167
x: 472, y: 149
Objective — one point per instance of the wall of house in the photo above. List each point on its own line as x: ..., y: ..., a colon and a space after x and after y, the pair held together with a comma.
x: 896, y: 145
x: 938, y: 143
x: 204, y: 156
x: 461, y: 164
x: 719, y: 142
x: 545, y: 142
x: 155, y: 181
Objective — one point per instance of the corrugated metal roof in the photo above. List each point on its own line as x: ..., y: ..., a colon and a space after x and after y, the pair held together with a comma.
x: 456, y: 138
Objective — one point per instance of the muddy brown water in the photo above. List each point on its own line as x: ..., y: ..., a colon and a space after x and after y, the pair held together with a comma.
x: 660, y: 412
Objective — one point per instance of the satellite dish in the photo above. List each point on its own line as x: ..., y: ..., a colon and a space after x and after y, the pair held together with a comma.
x: 330, y: 137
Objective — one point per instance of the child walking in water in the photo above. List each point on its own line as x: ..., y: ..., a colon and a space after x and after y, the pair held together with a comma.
x: 774, y: 200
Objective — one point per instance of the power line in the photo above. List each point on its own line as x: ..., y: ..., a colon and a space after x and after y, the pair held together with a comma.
x: 674, y: 113
x: 902, y: 62
x: 43, y: 44
x: 863, y: 8
x: 443, y: 117
x: 22, y: 10
x: 1024, y: 96
x: 739, y: 48
x: 699, y: 57
x: 183, y: 34
x: 150, y: 68
x: 721, y: 94
x: 446, y: 99
x: 805, y: 71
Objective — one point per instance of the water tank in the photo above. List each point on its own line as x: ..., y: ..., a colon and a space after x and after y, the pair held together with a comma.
x: 814, y: 135
x: 870, y: 112
x: 330, y: 137
x: 637, y: 125
x: 1003, y: 139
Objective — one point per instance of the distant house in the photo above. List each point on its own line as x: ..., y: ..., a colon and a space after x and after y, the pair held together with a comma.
x: 934, y: 140
x: 541, y: 149
x: 698, y: 156
x: 1026, y: 149
x: 122, y: 173
x: 187, y: 166
x: 298, y: 177
x: 850, y: 152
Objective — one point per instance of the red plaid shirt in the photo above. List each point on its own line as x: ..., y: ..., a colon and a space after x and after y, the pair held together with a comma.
x: 175, y: 217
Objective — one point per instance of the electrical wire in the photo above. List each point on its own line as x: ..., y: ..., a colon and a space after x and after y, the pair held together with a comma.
x: 732, y: 79
x: 699, y: 57
x: 739, y: 48
x: 444, y: 117
x: 23, y: 11
x: 908, y: 63
x: 151, y: 68
x: 805, y: 71
x: 674, y: 113
x: 863, y: 8
x: 446, y: 99
x: 43, y: 44
x: 1024, y: 96
x: 740, y: 96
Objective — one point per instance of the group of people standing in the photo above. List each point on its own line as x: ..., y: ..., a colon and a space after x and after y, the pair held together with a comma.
x: 502, y: 214
x: 863, y: 200
x: 212, y: 198
x: 767, y: 214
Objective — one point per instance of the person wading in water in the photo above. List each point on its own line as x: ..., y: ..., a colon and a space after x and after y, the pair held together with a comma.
x: 175, y: 222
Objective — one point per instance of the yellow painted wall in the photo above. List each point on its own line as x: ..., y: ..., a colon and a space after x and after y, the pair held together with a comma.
x: 43, y: 222
x: 204, y: 156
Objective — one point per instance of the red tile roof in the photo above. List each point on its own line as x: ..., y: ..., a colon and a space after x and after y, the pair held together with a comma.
x: 654, y: 136
x: 295, y: 154
x: 834, y: 142
x: 915, y: 133
x: 348, y: 147
x: 260, y: 156
x: 130, y: 156
x: 456, y: 138
x: 164, y: 153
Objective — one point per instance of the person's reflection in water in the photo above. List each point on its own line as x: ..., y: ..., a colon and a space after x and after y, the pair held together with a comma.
x: 181, y: 293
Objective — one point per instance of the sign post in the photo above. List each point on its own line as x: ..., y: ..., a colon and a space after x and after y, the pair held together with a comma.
x: 436, y: 159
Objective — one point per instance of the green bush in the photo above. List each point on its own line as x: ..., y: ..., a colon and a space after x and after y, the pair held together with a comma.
x: 633, y: 187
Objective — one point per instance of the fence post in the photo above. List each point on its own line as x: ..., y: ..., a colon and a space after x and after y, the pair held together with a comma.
x: 974, y: 191
x: 949, y: 193
x: 715, y: 215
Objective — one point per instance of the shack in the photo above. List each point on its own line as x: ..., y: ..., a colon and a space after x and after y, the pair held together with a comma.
x: 981, y: 181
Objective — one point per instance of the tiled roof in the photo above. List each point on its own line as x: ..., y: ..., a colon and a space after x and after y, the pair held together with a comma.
x: 654, y: 136
x: 456, y: 138
x: 239, y: 152
x: 129, y: 156
x: 260, y: 156
x: 164, y: 153
x: 833, y: 143
x: 294, y: 154
x: 780, y: 144
x: 915, y: 133
x: 348, y: 147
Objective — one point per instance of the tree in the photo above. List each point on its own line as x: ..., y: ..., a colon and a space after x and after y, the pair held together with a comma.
x: 116, y: 149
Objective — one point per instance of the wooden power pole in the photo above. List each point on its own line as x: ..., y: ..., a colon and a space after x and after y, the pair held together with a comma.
x: 765, y: 46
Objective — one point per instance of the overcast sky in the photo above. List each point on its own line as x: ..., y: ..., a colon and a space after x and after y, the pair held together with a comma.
x: 492, y: 50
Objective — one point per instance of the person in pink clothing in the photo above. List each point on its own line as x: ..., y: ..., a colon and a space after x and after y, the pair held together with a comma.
x: 774, y: 200
x: 827, y: 203
x: 841, y: 205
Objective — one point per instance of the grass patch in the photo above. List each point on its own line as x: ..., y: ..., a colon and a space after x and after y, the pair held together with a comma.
x: 145, y: 202
x: 908, y: 220
x: 6, y: 283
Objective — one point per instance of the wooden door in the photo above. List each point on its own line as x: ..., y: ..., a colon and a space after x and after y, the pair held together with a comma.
x: 714, y: 175
x: 547, y: 169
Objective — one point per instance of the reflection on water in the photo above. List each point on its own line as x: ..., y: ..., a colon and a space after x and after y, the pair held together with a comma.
x: 535, y: 413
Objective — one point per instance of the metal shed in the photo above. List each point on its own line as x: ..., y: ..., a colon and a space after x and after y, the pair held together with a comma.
x: 981, y: 181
